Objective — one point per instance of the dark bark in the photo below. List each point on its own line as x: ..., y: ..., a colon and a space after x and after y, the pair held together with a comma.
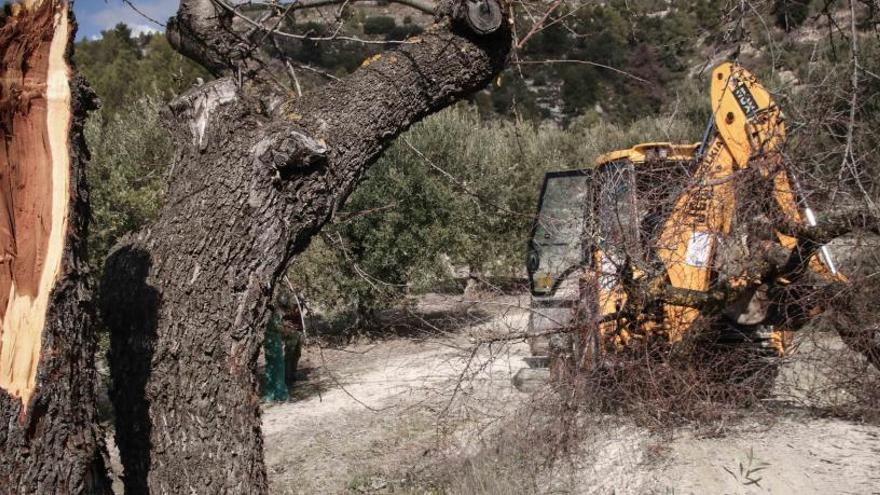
x: 187, y: 299
x: 200, y: 32
x: 49, y: 439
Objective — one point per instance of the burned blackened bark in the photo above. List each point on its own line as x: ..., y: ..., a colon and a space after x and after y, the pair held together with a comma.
x: 186, y: 300
x: 49, y: 441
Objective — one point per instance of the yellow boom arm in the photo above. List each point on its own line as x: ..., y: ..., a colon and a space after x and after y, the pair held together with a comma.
x: 749, y: 132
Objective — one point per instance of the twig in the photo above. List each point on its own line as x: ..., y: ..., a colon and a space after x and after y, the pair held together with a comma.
x: 584, y: 62
x: 142, y: 14
x: 849, y: 160
x: 479, y: 199
x: 295, y: 79
x: 538, y: 26
x: 284, y: 34
x: 357, y: 269
x: 351, y: 216
x: 277, y: 24
x: 344, y: 390
x: 302, y: 317
x: 425, y: 6
x: 315, y: 70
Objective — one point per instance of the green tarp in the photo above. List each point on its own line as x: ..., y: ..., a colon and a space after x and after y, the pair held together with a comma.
x: 274, y: 385
x: 282, y: 348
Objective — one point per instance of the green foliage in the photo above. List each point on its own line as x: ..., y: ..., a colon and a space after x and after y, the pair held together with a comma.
x: 122, y: 69
x: 510, y: 92
x: 379, y: 24
x: 134, y: 78
x: 820, y: 128
x: 463, y: 195
x: 634, y: 53
x: 709, y: 16
x: 130, y: 152
x: 790, y: 14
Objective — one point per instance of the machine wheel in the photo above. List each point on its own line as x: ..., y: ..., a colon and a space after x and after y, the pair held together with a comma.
x: 747, y: 357
x: 531, y: 380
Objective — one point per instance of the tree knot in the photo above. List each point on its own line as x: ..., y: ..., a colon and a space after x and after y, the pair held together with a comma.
x: 291, y: 152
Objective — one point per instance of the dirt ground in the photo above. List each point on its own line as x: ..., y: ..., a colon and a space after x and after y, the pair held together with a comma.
x: 428, y: 412
x: 398, y: 415
x: 369, y: 413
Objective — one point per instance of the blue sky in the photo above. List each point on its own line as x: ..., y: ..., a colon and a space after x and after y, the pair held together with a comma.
x: 95, y: 16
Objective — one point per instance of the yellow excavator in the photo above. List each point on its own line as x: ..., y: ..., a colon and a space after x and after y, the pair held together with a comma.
x: 660, y: 241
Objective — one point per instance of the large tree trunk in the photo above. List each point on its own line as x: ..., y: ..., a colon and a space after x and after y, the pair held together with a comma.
x: 49, y: 442
x: 187, y: 299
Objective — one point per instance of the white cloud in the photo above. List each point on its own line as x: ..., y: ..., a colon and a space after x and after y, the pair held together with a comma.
x: 139, y: 29
x: 108, y: 15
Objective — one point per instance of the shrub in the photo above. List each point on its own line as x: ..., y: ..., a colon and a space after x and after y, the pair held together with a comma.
x: 463, y: 195
x: 790, y: 14
x: 126, y: 173
x: 378, y: 24
x: 400, y: 33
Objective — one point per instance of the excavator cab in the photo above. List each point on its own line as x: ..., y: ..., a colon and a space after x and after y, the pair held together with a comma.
x: 592, y: 226
x: 635, y: 191
x: 626, y: 297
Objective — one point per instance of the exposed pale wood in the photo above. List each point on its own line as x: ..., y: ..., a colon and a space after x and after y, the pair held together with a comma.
x: 49, y: 438
x: 36, y: 181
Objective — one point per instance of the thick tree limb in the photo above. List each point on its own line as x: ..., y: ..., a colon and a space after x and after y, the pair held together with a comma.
x: 203, y: 33
x: 203, y: 30
x: 187, y: 299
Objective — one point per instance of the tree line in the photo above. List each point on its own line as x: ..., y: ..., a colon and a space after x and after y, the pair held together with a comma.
x: 457, y: 193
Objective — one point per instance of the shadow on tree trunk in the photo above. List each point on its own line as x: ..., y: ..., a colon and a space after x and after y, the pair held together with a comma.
x: 134, y: 328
